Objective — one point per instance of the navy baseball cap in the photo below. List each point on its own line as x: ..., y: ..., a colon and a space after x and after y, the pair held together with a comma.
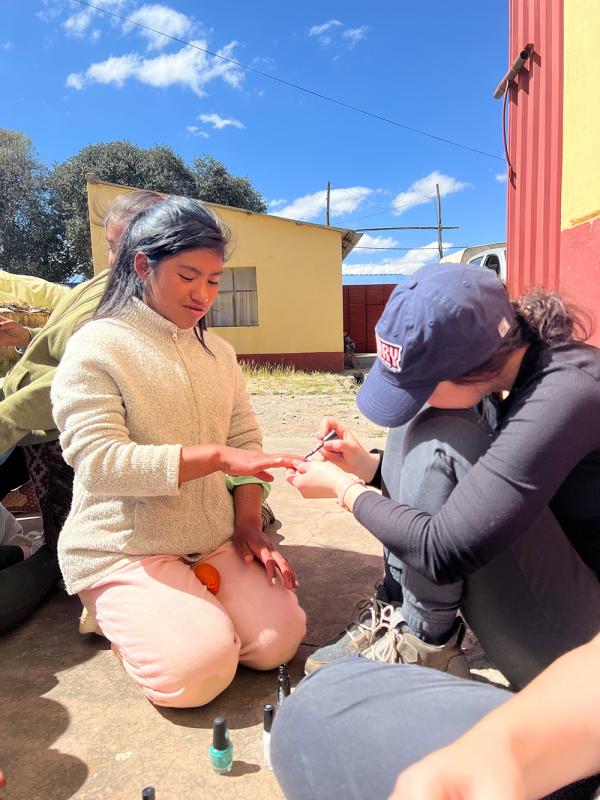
x: 441, y: 323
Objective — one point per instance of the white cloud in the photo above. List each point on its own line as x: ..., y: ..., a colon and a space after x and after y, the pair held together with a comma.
x: 161, y: 18
x: 219, y: 123
x: 75, y: 81
x: 116, y: 69
x: 330, y: 33
x: 311, y: 206
x: 187, y: 67
x: 6, y: 46
x: 375, y: 243
x: 273, y: 205
x: 319, y: 30
x: 423, y: 190
x: 501, y: 177
x: 79, y: 24
x: 354, y: 35
x: 404, y: 265
x: 50, y: 11
x: 194, y: 130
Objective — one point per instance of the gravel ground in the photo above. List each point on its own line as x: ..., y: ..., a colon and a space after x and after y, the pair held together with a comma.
x: 290, y: 415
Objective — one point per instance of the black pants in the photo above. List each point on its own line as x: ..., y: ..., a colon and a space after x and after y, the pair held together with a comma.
x: 13, y: 472
x: 24, y: 585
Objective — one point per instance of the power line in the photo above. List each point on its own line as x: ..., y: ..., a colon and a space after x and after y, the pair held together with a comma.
x: 418, y: 200
x: 293, y: 85
x: 366, y: 247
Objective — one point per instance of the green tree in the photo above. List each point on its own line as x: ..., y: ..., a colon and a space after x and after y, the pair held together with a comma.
x: 215, y: 184
x: 157, y: 168
x: 31, y: 230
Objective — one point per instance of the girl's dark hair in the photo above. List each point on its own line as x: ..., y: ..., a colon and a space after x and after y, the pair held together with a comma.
x: 124, y: 207
x: 541, y: 317
x: 170, y: 226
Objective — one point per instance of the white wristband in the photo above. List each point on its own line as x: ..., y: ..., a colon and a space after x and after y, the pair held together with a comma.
x: 344, y: 488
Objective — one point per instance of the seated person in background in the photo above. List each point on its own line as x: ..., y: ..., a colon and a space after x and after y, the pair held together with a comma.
x: 26, y: 290
x: 349, y: 351
x: 152, y: 410
x: 15, y: 544
x: 26, y: 420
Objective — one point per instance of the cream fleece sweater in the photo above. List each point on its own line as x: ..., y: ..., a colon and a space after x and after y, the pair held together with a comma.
x: 129, y: 392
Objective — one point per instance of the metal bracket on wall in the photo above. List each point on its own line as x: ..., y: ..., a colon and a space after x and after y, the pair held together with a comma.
x: 512, y: 73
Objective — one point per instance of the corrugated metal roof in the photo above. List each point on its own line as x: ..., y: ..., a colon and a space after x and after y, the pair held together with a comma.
x: 371, y: 279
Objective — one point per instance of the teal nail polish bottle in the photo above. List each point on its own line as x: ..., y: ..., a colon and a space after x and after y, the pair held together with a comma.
x: 221, y: 749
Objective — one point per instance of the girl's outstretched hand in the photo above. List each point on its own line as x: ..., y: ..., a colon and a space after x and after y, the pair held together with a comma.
x: 250, y: 462
x: 346, y: 451
x: 317, y: 478
x: 251, y: 543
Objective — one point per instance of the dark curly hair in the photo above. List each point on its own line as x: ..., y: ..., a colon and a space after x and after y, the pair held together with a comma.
x: 541, y: 316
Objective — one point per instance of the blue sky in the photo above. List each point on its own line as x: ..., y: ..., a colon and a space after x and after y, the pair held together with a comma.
x: 72, y: 76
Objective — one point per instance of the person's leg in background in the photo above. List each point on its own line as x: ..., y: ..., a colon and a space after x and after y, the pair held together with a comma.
x: 13, y: 472
x: 180, y: 643
x: 52, y: 479
x: 24, y: 585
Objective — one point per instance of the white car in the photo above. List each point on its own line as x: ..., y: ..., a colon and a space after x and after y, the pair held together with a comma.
x: 492, y: 259
x: 489, y: 256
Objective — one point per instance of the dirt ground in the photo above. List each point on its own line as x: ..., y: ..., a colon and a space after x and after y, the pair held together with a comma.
x: 289, y: 415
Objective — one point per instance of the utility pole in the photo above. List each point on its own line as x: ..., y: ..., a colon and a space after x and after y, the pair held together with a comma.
x: 328, y: 199
x: 439, y: 217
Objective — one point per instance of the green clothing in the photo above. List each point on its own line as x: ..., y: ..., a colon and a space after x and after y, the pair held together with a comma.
x: 30, y: 291
x: 26, y: 411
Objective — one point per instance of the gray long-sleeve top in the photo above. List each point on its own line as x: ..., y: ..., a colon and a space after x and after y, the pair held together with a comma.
x: 545, y: 452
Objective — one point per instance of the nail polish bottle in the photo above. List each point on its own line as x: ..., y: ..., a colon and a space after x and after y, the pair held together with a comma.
x: 268, y: 717
x: 221, y: 749
x: 283, y: 684
x: 148, y: 793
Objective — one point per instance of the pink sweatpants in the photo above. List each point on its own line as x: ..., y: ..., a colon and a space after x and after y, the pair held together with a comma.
x: 182, y: 644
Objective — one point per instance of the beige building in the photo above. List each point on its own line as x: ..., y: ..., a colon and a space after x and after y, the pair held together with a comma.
x: 280, y: 299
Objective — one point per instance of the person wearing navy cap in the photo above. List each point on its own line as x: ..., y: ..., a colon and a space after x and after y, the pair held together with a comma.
x: 496, y: 513
x: 489, y: 483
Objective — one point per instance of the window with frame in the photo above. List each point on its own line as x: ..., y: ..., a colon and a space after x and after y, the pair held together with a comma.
x: 236, y: 305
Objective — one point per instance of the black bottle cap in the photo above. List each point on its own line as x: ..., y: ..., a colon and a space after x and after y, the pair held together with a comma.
x: 148, y: 793
x: 220, y: 734
x: 268, y: 716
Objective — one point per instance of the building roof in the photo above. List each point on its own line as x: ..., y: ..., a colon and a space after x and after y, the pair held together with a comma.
x: 372, y: 279
x: 349, y: 237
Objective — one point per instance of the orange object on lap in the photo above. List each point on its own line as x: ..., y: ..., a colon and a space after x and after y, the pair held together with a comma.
x: 209, y: 576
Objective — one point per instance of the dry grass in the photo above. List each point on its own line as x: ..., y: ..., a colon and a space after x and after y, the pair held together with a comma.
x: 265, y: 379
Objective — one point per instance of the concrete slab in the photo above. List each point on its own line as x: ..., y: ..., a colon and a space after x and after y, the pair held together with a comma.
x: 73, y: 725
